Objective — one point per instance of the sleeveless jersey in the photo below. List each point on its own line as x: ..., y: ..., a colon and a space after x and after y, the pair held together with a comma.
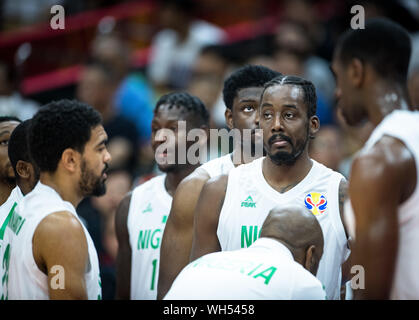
x: 26, y: 281
x: 249, y: 198
x: 266, y: 270
x: 404, y: 125
x: 8, y: 219
x: 148, y: 211
x: 218, y: 166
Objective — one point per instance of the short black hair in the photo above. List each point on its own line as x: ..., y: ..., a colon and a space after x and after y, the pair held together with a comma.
x: 246, y: 77
x: 19, y: 145
x: 189, y: 103
x: 9, y: 118
x: 383, y: 44
x: 310, y: 97
x: 60, y: 125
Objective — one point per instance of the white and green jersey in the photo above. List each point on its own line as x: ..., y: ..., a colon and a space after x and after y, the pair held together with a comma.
x: 218, y: 166
x: 8, y: 220
x: 249, y: 198
x: 26, y: 280
x: 148, y: 211
x: 264, y: 271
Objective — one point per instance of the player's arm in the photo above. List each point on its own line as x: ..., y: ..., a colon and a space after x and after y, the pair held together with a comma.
x: 60, y: 250
x: 177, y: 237
x: 123, y: 259
x: 377, y: 187
x: 207, y: 213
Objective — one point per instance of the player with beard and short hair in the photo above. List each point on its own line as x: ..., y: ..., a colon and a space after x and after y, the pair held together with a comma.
x: 52, y: 255
x: 232, y: 208
x: 241, y: 93
x: 7, y: 175
x: 141, y: 217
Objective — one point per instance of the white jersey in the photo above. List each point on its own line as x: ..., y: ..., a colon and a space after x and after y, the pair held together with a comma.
x: 404, y: 125
x: 264, y: 271
x: 249, y: 198
x: 7, y: 220
x: 148, y: 211
x: 26, y: 281
x: 218, y: 166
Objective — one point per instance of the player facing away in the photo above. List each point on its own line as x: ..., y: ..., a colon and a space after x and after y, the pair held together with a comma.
x: 141, y: 217
x: 371, y: 67
x: 280, y: 265
x: 52, y: 255
x: 241, y: 200
x: 27, y: 175
x: 241, y: 94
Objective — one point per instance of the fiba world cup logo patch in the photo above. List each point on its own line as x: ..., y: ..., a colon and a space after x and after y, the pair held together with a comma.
x: 315, y: 202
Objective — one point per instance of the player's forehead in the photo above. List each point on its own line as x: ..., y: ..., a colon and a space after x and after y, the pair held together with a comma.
x: 97, y: 135
x: 283, y: 94
x: 8, y: 126
x: 248, y: 94
x: 170, y: 113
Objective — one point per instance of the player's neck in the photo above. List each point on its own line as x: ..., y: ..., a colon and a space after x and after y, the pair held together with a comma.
x: 174, y: 178
x: 282, y: 177
x: 66, y: 190
x: 5, y: 190
x: 384, y: 99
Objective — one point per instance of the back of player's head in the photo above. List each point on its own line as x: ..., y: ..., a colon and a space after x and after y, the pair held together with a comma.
x: 310, y: 97
x: 383, y: 44
x: 190, y: 105
x: 60, y: 125
x: 19, y: 145
x: 9, y: 119
x: 246, y: 77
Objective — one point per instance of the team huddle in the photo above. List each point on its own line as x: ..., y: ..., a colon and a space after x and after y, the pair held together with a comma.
x: 282, y: 226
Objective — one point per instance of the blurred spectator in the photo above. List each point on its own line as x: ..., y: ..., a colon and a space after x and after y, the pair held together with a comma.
x: 176, y: 46
x: 98, y: 215
x: 413, y: 86
x: 11, y: 101
x: 96, y: 87
x: 327, y: 147
x: 207, y: 79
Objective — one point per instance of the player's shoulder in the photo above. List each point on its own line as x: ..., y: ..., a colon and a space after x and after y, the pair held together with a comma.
x: 149, y: 185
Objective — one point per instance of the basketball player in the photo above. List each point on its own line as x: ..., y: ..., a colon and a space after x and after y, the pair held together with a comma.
x: 7, y: 176
x: 240, y: 201
x: 52, y: 255
x: 371, y: 74
x: 241, y: 93
x: 142, y: 215
x: 281, y: 265
x: 27, y: 175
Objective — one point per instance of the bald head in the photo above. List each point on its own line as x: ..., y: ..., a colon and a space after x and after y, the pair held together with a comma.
x: 299, y: 230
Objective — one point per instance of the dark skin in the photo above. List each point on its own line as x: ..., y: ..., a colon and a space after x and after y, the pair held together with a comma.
x: 164, y: 119
x: 381, y: 178
x: 177, y: 237
x: 7, y: 178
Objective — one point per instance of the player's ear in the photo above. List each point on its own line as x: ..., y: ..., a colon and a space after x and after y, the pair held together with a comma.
x: 23, y: 169
x: 356, y: 72
x: 314, y: 126
x: 310, y: 260
x: 70, y: 159
x: 229, y: 118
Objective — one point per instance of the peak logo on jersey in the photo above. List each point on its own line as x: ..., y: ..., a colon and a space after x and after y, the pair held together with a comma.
x: 248, y: 203
x: 148, y: 209
x: 315, y: 202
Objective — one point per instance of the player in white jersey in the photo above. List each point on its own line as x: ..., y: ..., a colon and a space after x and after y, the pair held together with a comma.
x: 371, y: 71
x: 241, y: 95
x: 52, y: 255
x: 241, y: 200
x: 141, y: 217
x: 279, y: 266
x: 7, y: 176
x: 27, y: 176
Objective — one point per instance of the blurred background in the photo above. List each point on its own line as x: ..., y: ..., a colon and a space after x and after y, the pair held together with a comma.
x: 121, y: 56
